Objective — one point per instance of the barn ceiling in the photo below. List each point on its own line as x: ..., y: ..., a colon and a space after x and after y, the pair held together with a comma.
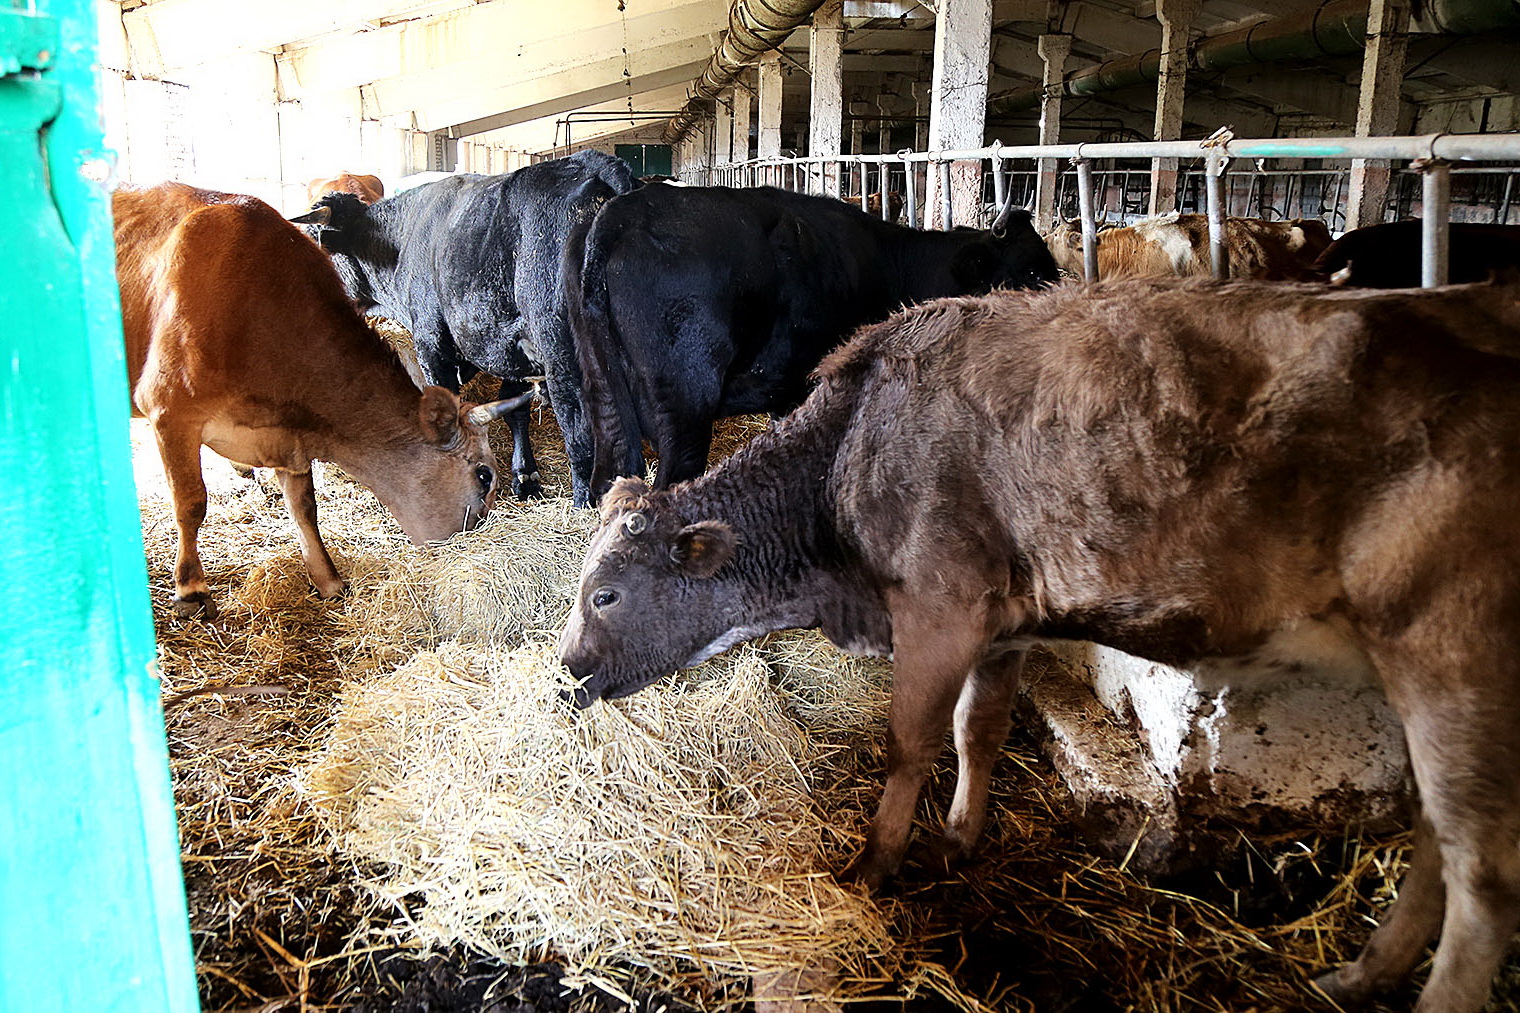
x: 521, y: 68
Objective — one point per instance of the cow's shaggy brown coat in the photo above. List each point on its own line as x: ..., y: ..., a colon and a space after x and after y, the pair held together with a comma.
x: 1232, y: 475
x: 239, y: 336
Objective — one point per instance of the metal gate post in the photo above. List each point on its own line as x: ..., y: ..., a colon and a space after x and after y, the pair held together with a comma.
x: 910, y: 186
x: 946, y: 207
x: 93, y: 913
x: 1219, y: 253
x: 1435, y: 234
x: 1089, y: 223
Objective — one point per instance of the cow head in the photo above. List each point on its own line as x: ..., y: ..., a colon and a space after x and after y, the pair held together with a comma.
x: 444, y: 479
x: 1012, y: 257
x: 653, y: 597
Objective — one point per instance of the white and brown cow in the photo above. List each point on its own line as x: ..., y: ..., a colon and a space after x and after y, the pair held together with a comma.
x: 240, y: 337
x: 1178, y: 246
x: 1196, y: 473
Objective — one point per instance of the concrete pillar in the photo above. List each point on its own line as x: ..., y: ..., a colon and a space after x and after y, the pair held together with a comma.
x: 1377, y: 109
x: 1053, y: 50
x: 858, y: 113
x: 958, y: 105
x: 1176, y: 17
x: 723, y: 127
x: 743, y: 99
x: 826, y: 111
x: 769, y: 145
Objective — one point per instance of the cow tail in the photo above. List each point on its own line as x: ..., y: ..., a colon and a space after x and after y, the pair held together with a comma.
x: 616, y: 437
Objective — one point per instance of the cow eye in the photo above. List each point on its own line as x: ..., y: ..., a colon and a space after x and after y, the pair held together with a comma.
x: 485, y: 476
x: 604, y: 597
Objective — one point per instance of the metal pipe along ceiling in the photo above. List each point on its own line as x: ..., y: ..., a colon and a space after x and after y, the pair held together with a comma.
x: 1334, y: 28
x: 754, y: 27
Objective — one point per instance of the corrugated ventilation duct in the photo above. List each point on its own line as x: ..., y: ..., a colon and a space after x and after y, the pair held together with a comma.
x: 754, y: 27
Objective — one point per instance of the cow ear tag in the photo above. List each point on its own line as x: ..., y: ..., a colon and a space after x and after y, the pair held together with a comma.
x: 635, y: 523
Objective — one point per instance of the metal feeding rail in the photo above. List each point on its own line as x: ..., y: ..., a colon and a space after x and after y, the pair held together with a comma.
x: 1431, y: 155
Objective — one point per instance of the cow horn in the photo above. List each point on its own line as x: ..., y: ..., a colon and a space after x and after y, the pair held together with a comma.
x: 484, y: 413
x: 316, y: 216
x: 1000, y: 223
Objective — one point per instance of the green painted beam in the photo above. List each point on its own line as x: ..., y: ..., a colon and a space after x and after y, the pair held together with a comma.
x: 92, y: 909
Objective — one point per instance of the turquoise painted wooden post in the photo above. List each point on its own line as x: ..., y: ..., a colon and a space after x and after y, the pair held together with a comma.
x: 92, y: 909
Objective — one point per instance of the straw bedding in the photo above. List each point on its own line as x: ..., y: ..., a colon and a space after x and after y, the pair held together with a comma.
x: 401, y: 773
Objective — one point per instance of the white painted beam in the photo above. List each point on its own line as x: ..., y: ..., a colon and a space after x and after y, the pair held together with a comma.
x: 1053, y: 50
x: 1176, y: 18
x: 958, y: 104
x: 550, y: 96
x: 743, y: 99
x: 173, y: 35
x: 769, y: 145
x: 723, y: 131
x: 826, y: 110
x: 1377, y: 110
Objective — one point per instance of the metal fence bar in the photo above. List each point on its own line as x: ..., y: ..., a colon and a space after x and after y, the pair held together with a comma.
x: 1435, y: 232
x: 910, y: 177
x: 1219, y: 253
x: 1089, y: 224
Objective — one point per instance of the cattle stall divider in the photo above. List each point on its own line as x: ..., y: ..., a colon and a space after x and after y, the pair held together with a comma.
x: 1430, y: 155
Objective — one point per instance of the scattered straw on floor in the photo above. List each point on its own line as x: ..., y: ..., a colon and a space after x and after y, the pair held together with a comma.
x: 400, y: 769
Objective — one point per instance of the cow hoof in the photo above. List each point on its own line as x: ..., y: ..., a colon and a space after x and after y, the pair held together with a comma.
x: 332, y: 590
x: 868, y: 872
x: 195, y: 605
x: 951, y: 853
x: 526, y: 487
x: 1332, y: 986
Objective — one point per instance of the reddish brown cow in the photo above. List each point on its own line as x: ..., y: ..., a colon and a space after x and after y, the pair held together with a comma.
x: 1215, y: 475
x: 240, y: 337
x: 1178, y: 245
x: 367, y: 188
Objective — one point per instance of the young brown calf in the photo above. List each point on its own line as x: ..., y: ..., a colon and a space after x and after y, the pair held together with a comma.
x: 240, y: 337
x: 1204, y: 475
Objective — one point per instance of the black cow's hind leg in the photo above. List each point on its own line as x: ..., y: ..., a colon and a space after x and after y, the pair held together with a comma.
x: 525, y: 481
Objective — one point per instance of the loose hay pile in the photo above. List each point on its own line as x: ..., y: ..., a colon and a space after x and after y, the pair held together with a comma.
x: 679, y: 831
x: 419, y: 781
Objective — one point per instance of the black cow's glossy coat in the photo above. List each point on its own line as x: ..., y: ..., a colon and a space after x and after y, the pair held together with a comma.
x: 1388, y: 255
x: 470, y: 265
x: 688, y: 304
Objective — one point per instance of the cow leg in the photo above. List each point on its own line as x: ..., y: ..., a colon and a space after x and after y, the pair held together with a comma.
x: 180, y: 451
x: 1458, y: 695
x: 1466, y: 780
x: 932, y: 656
x: 301, y: 501
x: 525, y: 482
x: 1400, y: 939
x: 983, y: 717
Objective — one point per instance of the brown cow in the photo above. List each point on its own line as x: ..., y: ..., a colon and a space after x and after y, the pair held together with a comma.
x: 1178, y: 245
x: 367, y: 188
x: 240, y: 337
x: 1218, y: 475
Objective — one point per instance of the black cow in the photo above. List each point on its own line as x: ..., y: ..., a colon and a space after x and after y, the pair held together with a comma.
x: 691, y: 303
x: 1388, y: 255
x: 470, y: 265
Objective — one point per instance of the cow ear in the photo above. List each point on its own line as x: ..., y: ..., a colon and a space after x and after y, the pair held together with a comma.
x: 1074, y: 238
x: 628, y: 493
x: 439, y: 416
x: 702, y: 548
